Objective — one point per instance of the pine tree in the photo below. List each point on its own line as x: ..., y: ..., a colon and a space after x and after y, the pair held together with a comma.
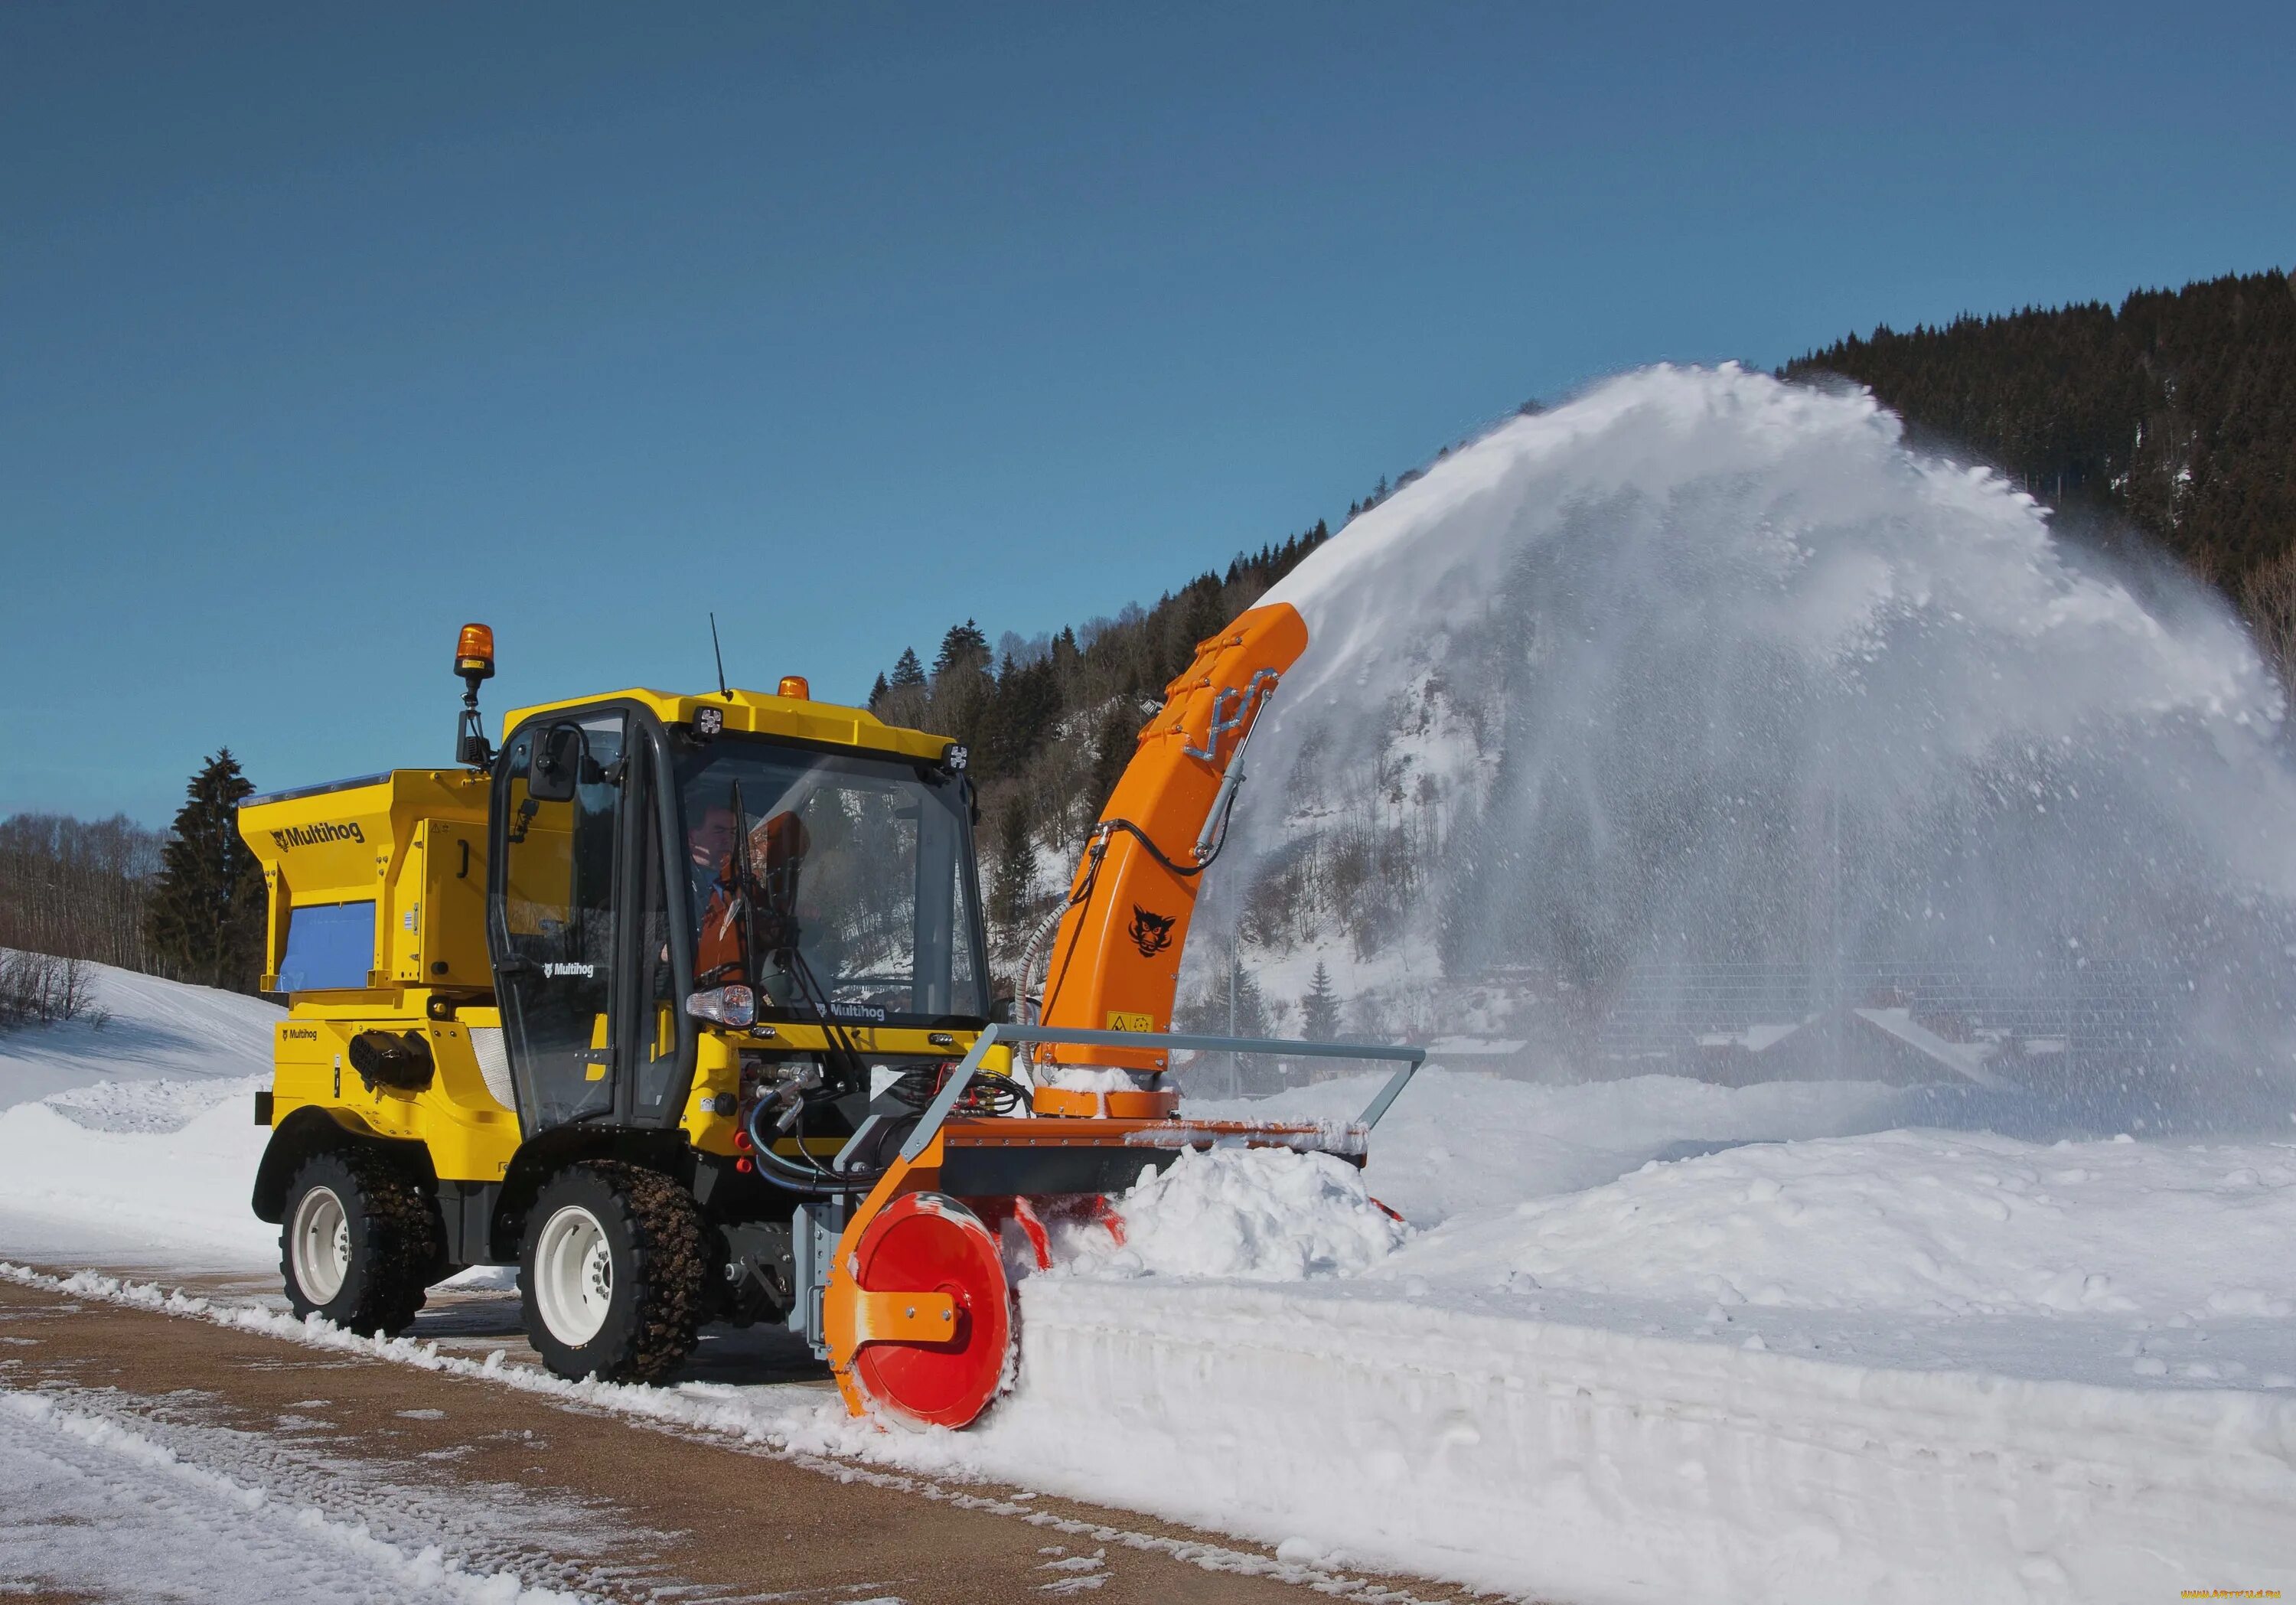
x: 1231, y: 1003
x: 964, y: 647
x: 1116, y: 739
x: 1320, y: 1009
x: 963, y: 688
x: 903, y: 699
x: 206, y: 918
x: 1012, y: 886
x: 1027, y: 704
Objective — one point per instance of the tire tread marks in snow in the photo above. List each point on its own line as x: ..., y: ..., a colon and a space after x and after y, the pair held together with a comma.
x: 397, y: 1241
x: 660, y: 1273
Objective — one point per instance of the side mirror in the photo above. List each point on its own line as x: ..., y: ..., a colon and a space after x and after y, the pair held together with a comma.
x: 558, y: 759
x: 1002, y: 1011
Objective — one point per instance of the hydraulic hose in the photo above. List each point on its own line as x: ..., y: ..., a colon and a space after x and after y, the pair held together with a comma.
x: 808, y: 1180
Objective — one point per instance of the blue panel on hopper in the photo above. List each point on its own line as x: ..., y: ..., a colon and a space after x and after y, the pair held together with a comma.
x: 328, y: 947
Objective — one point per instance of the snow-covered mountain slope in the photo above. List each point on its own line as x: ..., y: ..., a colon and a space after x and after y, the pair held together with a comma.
x: 131, y: 1142
x: 155, y: 1030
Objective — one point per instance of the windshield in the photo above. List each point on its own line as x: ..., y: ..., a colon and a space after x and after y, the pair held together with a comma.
x: 857, y: 896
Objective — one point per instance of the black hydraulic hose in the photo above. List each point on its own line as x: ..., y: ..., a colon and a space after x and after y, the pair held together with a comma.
x: 810, y: 1181
x: 1083, y: 894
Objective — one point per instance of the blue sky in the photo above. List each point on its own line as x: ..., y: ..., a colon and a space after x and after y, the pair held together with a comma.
x: 323, y: 329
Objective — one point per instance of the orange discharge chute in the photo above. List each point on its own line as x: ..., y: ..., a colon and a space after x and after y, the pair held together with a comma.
x: 1115, y: 961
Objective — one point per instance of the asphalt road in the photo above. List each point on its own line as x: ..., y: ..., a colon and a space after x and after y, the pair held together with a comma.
x: 611, y: 1506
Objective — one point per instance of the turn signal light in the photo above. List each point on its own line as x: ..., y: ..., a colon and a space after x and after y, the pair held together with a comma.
x: 795, y: 688
x: 474, y: 652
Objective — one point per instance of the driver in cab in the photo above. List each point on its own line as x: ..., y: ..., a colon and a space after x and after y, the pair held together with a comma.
x: 777, y: 854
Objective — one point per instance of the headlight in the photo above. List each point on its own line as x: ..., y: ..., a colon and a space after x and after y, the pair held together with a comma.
x: 725, y: 1006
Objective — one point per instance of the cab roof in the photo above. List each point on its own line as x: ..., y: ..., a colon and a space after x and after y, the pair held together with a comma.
x: 756, y: 713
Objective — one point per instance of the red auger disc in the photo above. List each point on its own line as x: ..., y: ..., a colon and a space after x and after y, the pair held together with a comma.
x: 927, y: 1242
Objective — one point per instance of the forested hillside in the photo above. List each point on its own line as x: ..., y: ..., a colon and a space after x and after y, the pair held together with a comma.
x: 2176, y: 413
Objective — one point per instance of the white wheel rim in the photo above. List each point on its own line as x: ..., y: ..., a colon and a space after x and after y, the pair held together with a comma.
x: 573, y: 1275
x: 320, y: 1243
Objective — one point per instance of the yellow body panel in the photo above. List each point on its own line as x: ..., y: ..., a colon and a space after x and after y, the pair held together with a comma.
x: 470, y: 1136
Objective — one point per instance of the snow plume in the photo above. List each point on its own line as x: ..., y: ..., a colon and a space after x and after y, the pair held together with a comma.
x: 1744, y: 679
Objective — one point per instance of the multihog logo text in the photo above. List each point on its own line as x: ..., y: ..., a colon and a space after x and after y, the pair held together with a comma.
x: 304, y: 836
x: 585, y: 971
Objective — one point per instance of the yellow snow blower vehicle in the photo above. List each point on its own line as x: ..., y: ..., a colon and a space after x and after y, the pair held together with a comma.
x: 681, y: 1004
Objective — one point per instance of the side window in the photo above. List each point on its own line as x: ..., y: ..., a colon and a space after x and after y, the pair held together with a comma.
x: 554, y: 922
x: 661, y: 1007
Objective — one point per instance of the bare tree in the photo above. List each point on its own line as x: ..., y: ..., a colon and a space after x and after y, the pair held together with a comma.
x: 77, y: 888
x: 39, y: 988
x: 2268, y: 600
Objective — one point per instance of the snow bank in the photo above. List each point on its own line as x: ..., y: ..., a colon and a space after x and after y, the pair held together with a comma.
x: 1911, y: 1364
x: 1928, y: 1223
x: 1255, y: 1215
x: 178, y: 1198
x: 133, y: 1142
x: 1571, y: 1461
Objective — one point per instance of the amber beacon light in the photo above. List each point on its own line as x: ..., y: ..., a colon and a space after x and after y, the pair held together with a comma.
x: 474, y: 652
x: 795, y: 688
x: 474, y: 661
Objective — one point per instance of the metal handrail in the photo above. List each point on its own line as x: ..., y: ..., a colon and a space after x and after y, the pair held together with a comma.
x: 937, y: 1111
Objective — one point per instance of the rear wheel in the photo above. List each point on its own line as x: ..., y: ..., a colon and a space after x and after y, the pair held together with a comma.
x: 613, y: 1274
x: 359, y: 1243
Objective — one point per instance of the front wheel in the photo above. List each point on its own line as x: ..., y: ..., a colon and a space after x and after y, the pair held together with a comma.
x: 360, y: 1242
x: 613, y: 1274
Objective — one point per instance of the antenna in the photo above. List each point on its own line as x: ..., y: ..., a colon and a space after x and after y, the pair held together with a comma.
x: 719, y: 653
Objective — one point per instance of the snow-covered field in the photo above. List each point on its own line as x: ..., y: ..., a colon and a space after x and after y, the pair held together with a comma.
x: 134, y: 1142
x: 1638, y: 1340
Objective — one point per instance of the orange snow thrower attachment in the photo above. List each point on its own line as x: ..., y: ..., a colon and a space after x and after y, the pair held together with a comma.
x: 916, y: 1313
x: 1115, y: 960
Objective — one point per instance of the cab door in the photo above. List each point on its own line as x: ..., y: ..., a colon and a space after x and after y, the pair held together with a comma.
x: 555, y: 920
